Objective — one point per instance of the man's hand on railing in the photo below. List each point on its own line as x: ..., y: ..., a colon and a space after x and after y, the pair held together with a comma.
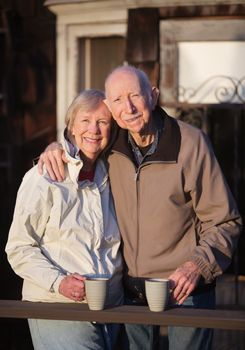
x: 183, y: 281
x: 73, y: 287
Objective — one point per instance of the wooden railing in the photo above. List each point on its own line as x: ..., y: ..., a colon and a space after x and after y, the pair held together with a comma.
x: 222, y: 319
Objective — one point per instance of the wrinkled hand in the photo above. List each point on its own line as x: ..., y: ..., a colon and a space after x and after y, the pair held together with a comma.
x: 73, y: 287
x: 53, y: 158
x: 183, y: 281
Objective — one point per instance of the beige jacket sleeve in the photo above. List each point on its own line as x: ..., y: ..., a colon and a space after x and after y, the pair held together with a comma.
x: 219, y: 220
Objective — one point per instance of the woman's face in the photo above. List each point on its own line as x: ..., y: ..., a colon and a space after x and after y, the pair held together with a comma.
x: 91, y: 131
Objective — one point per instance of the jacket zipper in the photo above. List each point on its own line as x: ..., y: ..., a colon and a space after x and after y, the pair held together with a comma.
x: 136, y: 178
x: 147, y: 163
x: 138, y: 212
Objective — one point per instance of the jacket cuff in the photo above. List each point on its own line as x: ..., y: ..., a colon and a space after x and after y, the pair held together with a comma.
x: 205, y: 271
x: 55, y: 286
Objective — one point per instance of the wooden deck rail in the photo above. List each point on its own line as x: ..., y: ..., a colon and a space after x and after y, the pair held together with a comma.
x: 222, y: 319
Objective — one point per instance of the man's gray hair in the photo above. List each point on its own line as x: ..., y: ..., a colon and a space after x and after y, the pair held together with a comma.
x: 144, y: 81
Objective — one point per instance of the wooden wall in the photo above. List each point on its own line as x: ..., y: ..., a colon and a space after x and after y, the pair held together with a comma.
x: 27, y: 124
x: 29, y: 68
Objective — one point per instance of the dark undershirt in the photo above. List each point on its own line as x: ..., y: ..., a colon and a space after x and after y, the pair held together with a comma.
x: 145, y: 149
x: 86, y: 175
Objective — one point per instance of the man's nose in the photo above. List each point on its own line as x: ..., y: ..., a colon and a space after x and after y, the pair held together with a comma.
x: 130, y: 107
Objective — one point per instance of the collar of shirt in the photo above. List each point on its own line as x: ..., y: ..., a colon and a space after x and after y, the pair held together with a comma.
x: 73, y: 150
x: 139, y: 157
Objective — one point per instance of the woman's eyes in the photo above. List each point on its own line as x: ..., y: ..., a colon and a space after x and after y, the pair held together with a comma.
x: 103, y: 122
x: 100, y: 122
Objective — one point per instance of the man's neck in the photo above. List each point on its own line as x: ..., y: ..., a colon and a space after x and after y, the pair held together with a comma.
x: 146, y: 137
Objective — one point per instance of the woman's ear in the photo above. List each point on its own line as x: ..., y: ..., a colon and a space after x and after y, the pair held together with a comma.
x: 69, y: 135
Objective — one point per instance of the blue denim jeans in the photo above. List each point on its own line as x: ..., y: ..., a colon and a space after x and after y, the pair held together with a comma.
x: 72, y: 335
x: 142, y: 337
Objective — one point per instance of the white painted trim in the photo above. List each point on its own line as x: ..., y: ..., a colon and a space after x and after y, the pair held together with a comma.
x: 87, y: 64
x: 71, y: 27
x: 67, y: 7
x: 61, y: 87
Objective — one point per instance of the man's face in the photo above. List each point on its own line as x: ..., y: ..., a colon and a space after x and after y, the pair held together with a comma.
x: 129, y: 107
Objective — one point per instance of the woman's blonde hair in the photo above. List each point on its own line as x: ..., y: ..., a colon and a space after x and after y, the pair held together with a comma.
x: 85, y: 101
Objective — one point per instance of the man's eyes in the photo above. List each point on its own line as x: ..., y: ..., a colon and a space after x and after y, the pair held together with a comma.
x: 119, y: 99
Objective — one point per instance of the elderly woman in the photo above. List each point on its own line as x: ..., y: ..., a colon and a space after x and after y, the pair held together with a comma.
x: 63, y: 232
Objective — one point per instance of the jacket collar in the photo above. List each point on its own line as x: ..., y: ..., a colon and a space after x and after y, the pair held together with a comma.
x: 75, y: 164
x: 169, y: 139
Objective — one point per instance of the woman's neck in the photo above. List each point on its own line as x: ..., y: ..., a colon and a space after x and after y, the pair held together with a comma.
x: 88, y: 164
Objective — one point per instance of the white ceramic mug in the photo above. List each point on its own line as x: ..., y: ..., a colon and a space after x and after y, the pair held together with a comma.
x: 157, y: 293
x: 96, y: 292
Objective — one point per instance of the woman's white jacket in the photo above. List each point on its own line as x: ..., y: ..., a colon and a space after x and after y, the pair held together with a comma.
x: 60, y: 228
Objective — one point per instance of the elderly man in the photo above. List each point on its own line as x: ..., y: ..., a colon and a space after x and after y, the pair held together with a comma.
x: 176, y: 214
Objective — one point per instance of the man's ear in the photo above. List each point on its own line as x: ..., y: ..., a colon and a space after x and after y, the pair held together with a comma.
x: 106, y: 102
x: 154, y: 97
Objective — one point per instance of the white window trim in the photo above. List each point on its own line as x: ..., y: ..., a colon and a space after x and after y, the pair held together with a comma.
x: 72, y: 26
x: 173, y: 32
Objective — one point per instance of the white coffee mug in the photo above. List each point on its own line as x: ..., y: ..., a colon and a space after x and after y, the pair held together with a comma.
x: 96, y: 292
x: 157, y: 293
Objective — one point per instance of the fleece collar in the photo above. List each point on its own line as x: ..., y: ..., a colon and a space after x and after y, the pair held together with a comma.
x: 169, y: 139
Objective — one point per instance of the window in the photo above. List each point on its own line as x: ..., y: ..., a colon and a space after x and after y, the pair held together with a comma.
x: 97, y: 57
x: 193, y: 51
x: 211, y: 72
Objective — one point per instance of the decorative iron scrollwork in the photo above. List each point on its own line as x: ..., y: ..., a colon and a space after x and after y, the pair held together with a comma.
x: 231, y: 90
